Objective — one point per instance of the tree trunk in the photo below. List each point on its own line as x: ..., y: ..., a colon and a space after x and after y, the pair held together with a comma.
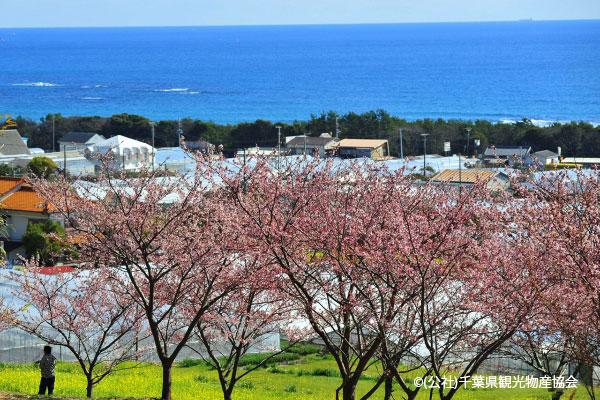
x: 90, y: 387
x: 388, y: 387
x: 557, y: 393
x: 166, y: 383
x: 349, y: 390
x: 227, y: 394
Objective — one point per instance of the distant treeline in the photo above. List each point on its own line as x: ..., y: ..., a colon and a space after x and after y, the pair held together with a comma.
x: 575, y: 138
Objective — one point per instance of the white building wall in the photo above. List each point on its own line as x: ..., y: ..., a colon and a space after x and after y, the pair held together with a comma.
x: 16, y: 226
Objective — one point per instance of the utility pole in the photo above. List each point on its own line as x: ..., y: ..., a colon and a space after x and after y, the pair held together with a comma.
x: 400, y: 140
x: 179, y: 131
x: 65, y: 162
x: 305, y: 144
x: 152, y: 128
x: 279, y: 146
x: 459, y: 175
x: 53, y: 140
x: 468, y: 140
x: 424, y: 152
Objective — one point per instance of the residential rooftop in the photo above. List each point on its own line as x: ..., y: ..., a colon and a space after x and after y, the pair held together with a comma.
x: 465, y: 176
x: 18, y: 195
x: 361, y: 143
x: 78, y: 137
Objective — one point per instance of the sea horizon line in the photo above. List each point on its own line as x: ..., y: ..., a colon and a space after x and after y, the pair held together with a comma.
x: 523, y: 20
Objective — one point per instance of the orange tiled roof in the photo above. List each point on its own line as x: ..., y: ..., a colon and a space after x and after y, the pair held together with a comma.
x: 8, y: 182
x: 23, y: 198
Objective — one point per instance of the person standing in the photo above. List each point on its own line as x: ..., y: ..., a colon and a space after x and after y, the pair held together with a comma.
x: 47, y: 363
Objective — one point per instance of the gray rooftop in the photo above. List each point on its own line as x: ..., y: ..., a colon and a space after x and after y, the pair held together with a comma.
x: 78, y: 137
x: 310, y: 141
x: 544, y: 154
x: 11, y: 143
x: 507, y: 151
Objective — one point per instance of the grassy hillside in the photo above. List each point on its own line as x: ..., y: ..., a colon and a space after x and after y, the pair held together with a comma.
x: 311, y: 377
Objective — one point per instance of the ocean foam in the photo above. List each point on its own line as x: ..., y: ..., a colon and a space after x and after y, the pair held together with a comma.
x: 37, y: 84
x: 172, y: 90
x: 544, y: 123
x: 92, y: 98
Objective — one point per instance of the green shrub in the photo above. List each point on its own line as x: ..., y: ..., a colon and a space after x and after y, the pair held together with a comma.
x: 254, y: 359
x: 37, y: 242
x: 301, y: 349
x: 319, y: 372
x: 188, y: 362
x: 246, y: 385
x: 275, y: 370
x: 290, y: 388
x: 245, y: 361
x: 201, y: 379
x: 325, y: 372
x: 42, y: 166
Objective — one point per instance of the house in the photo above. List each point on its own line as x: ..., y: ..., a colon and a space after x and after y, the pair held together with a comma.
x: 540, y: 159
x: 310, y: 145
x: 376, y: 149
x: 496, y: 180
x: 11, y: 143
x: 200, y: 145
x: 19, y: 206
x: 79, y: 140
x: 257, y: 152
x: 125, y: 153
x: 505, y: 155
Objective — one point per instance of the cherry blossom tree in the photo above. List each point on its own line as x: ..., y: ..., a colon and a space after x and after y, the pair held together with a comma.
x: 163, y: 243
x: 307, y: 217
x: 5, y: 316
x: 381, y: 267
x: 337, y: 234
x: 78, y: 311
x: 545, y: 349
x: 563, y: 217
x: 5, y: 312
x: 246, y: 320
x: 465, y: 260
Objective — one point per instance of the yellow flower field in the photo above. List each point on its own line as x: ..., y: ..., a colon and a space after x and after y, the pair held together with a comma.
x: 200, y: 382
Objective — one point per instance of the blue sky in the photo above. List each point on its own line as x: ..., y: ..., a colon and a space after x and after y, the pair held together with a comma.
x: 67, y: 13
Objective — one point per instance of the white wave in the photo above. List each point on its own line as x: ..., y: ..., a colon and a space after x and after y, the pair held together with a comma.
x: 543, y: 123
x: 536, y: 122
x: 37, y: 84
x: 85, y: 87
x: 172, y: 90
x: 192, y: 92
x: 100, y: 86
x: 92, y: 98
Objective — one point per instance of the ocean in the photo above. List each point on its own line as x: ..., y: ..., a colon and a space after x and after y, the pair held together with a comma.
x: 542, y: 70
